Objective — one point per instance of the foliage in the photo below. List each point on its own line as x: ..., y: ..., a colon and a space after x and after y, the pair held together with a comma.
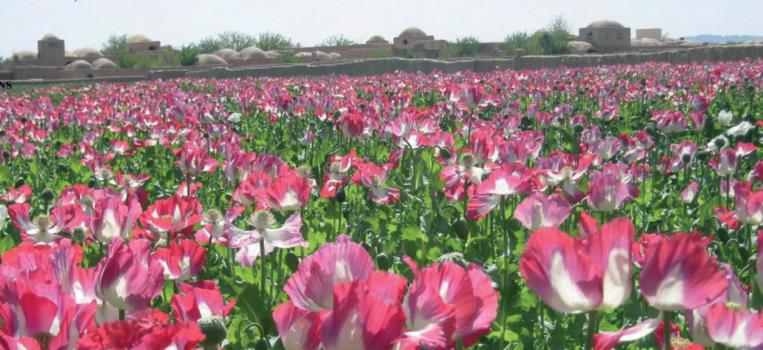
x: 188, y: 54
x: 115, y: 45
x: 287, y: 57
x: 551, y: 40
x: 236, y: 40
x: 208, y: 45
x: 268, y: 41
x: 338, y: 40
x: 465, y: 47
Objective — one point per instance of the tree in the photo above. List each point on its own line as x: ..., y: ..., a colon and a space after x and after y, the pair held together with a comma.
x: 208, y: 45
x: 466, y: 47
x: 236, y: 40
x: 115, y: 45
x: 338, y: 40
x: 188, y: 54
x: 274, y: 41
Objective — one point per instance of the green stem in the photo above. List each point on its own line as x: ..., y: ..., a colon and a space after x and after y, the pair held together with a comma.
x: 593, y: 328
x: 666, y: 331
x: 121, y: 314
x: 263, y: 271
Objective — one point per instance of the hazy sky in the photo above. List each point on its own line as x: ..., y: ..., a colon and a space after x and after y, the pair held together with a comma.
x: 88, y: 23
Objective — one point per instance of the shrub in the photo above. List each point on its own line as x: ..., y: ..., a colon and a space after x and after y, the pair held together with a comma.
x: 115, y: 45
x: 466, y: 47
x: 274, y: 41
x: 188, y: 55
x: 338, y: 40
x: 287, y: 57
x: 208, y: 45
x: 235, y: 40
x: 127, y: 61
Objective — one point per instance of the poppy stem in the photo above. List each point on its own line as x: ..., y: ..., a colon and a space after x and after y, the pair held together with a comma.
x: 667, y: 316
x: 263, y: 268
x: 593, y: 328
x: 121, y: 314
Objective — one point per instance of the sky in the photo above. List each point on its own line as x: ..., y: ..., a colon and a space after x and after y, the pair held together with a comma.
x: 88, y: 23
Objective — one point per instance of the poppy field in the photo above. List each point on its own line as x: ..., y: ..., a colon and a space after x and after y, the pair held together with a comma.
x: 568, y: 208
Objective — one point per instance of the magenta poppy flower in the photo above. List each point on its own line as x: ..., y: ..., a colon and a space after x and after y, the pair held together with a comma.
x: 200, y: 301
x: 447, y: 303
x: 298, y: 328
x: 366, y: 313
x: 696, y: 319
x: 253, y: 190
x: 174, y: 215
x: 128, y: 277
x: 373, y: 177
x: 759, y: 262
x: 540, y: 210
x: 289, y: 191
x: 488, y: 194
x: 735, y: 327
x: 181, y: 259
x: 577, y: 275
x: 607, y: 192
x: 351, y: 125
x: 336, y: 176
x: 194, y: 160
x: 311, y: 287
x: 45, y: 228
x: 17, y: 195
x: 690, y: 192
x: 113, y: 218
x: 679, y: 274
x: 608, y: 340
x: 748, y: 204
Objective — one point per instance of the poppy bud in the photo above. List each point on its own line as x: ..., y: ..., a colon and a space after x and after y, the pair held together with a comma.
x: 382, y: 262
x: 460, y: 228
x: 214, y: 330
x: 340, y: 195
x: 47, y: 194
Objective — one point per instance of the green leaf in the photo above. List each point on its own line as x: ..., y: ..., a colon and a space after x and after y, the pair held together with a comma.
x: 413, y: 233
x: 6, y: 244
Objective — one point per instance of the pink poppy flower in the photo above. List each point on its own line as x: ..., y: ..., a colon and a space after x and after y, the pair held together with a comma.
x: 17, y: 195
x: 286, y: 236
x: 253, y: 190
x: 128, y: 278
x: 748, y: 204
x: 759, y: 261
x: 174, y: 215
x: 690, y: 192
x: 607, y: 192
x: 336, y: 177
x: 199, y: 302
x: 45, y: 228
x: 181, y: 259
x: 351, y: 125
x: 447, y: 303
x: 577, y: 275
x: 299, y: 329
x: 373, y: 177
x: 540, y: 210
x: 735, y: 327
x: 289, y: 191
x: 194, y: 160
x: 366, y: 313
x: 311, y: 287
x: 219, y: 228
x: 488, y: 194
x: 679, y: 274
x: 113, y: 218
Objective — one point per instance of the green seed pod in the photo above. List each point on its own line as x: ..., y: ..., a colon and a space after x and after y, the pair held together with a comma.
x: 383, y: 262
x: 292, y: 261
x: 214, y: 329
x: 47, y: 194
x: 261, y: 344
x: 460, y: 228
x: 341, y: 196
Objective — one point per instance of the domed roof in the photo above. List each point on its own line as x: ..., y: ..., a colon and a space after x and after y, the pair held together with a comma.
x: 78, y: 65
x: 303, y: 54
x: 272, y: 54
x: 335, y: 56
x: 413, y: 33
x: 48, y: 37
x: 138, y: 38
x: 646, y: 42
x: 579, y: 47
x: 605, y: 24
x: 24, y: 56
x: 376, y: 39
x: 104, y: 62
x: 321, y: 56
x: 227, y: 53
x: 88, y: 53
x: 209, y: 59
x: 252, y: 52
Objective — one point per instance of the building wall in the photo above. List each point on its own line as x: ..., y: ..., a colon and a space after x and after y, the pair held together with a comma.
x: 51, y: 53
x: 403, y: 43
x: 607, y: 39
x: 144, y: 46
x: 649, y: 33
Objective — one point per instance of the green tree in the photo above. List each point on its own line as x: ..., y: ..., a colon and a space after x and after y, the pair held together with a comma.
x: 338, y: 40
x: 208, y: 45
x: 115, y: 45
x: 274, y: 41
x: 236, y: 40
x: 466, y: 47
x: 188, y: 54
